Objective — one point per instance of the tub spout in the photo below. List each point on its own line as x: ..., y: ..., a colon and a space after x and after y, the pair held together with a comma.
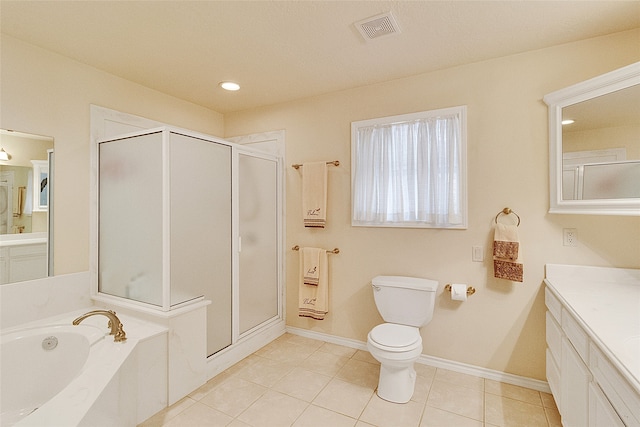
x: 114, y: 323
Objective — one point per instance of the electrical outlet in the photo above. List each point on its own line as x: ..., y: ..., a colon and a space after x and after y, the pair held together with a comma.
x: 477, y: 254
x: 570, y: 237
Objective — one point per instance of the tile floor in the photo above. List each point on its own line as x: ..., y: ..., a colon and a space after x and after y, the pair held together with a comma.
x: 297, y: 381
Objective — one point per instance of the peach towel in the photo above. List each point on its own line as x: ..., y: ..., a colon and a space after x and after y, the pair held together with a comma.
x: 313, y: 300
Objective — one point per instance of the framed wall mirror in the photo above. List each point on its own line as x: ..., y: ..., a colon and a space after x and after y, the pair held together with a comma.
x: 594, y: 145
x: 25, y: 205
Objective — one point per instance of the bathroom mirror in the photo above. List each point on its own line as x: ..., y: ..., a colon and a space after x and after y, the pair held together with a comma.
x: 25, y: 202
x: 594, y: 157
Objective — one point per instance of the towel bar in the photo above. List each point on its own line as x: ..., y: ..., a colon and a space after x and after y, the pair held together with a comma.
x: 334, y: 251
x: 334, y: 163
x: 507, y: 211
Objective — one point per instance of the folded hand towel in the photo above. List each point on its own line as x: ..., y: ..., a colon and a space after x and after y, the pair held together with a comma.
x: 311, y: 265
x: 507, y: 262
x: 313, y: 300
x: 505, y: 242
x: 314, y: 194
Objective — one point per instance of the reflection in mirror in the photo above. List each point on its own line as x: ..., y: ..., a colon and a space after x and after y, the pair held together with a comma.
x: 25, y: 190
x: 601, y: 147
x: 594, y: 145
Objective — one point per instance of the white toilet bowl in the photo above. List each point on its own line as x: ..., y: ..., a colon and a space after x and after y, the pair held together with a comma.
x: 396, y: 347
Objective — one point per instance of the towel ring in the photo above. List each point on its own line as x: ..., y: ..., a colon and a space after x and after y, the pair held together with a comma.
x: 507, y: 211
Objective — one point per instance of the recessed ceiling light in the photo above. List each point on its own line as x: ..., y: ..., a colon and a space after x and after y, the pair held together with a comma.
x: 568, y: 121
x: 230, y: 86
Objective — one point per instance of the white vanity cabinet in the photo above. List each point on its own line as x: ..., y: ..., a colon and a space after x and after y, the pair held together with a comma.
x: 592, y: 387
x: 23, y: 260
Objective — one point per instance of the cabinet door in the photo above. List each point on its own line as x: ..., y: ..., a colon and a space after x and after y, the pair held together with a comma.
x: 258, y: 251
x: 575, y: 387
x: 601, y: 413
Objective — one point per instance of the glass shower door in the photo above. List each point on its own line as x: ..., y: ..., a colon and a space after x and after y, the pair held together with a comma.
x: 258, y: 246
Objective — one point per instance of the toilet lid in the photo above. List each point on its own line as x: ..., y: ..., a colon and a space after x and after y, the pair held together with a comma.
x: 393, y: 335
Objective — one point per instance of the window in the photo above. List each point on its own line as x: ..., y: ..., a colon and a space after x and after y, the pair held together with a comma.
x: 410, y: 170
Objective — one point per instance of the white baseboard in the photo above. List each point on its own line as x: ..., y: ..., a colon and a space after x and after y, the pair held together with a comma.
x: 435, y: 362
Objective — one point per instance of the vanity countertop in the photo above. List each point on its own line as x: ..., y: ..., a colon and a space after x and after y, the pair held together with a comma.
x: 606, y: 303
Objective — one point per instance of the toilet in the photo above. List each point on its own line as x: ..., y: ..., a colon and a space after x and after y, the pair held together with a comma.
x: 405, y: 304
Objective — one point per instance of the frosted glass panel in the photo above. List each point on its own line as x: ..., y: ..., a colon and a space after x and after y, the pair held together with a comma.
x: 130, y: 218
x: 258, y: 232
x: 201, y: 231
x: 618, y: 180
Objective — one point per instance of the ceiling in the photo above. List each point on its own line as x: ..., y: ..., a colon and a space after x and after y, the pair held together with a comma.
x: 284, y: 50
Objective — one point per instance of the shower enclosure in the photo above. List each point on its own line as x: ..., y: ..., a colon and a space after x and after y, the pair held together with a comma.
x: 185, y: 217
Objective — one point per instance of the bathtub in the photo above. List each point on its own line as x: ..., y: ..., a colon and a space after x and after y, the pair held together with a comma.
x: 63, y: 375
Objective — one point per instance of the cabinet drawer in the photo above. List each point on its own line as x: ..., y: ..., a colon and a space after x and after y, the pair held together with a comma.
x: 553, y: 377
x: 553, y: 304
x: 28, y: 250
x: 576, y: 335
x: 554, y: 337
x: 622, y: 396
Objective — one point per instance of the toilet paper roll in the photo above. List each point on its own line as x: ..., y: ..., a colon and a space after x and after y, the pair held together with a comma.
x: 458, y: 292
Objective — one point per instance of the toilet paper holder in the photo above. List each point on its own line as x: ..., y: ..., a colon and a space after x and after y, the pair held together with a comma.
x: 470, y: 289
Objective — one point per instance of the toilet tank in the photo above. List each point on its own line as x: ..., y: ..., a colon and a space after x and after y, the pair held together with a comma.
x: 405, y: 300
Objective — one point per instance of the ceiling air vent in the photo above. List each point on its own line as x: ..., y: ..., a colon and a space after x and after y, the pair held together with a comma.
x: 378, y: 26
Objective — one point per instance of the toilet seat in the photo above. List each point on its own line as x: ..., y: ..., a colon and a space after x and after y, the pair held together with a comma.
x: 394, y: 337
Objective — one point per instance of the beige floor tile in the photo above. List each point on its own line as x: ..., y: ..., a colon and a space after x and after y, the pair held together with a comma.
x: 344, y: 397
x: 247, y: 361
x: 265, y: 371
x: 302, y: 384
x: 425, y: 370
x: 336, y: 349
x: 233, y: 396
x: 457, y: 378
x: 421, y: 389
x: 236, y: 423
x: 553, y: 417
x: 288, y: 352
x: 458, y: 399
x: 324, y: 363
x: 381, y: 413
x: 513, y: 391
x: 164, y: 416
x: 303, y: 341
x: 209, y: 385
x: 361, y: 373
x: 503, y: 411
x: 548, y: 401
x: 363, y: 424
x: 315, y: 416
x: 199, y: 415
x: 365, y: 356
x: 433, y: 417
x: 273, y: 409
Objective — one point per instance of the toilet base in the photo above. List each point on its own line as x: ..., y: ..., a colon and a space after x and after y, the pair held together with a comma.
x: 396, y: 384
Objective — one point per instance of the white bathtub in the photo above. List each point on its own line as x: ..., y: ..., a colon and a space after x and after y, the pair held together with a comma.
x: 64, y: 375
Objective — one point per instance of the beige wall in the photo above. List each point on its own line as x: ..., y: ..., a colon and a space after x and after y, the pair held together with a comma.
x: 501, y: 327
x: 48, y: 94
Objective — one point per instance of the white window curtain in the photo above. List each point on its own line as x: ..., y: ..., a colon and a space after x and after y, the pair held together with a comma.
x: 410, y: 173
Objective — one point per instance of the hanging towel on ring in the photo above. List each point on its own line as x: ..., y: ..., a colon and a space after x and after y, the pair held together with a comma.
x: 314, y: 194
x: 313, y: 300
x: 507, y: 262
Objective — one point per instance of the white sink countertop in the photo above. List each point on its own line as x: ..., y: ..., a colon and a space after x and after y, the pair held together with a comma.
x: 606, y: 303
